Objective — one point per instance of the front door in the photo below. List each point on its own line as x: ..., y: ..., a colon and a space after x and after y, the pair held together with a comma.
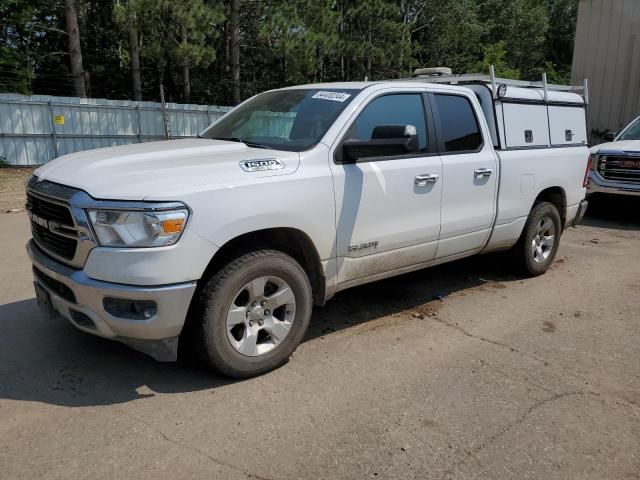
x: 388, y: 208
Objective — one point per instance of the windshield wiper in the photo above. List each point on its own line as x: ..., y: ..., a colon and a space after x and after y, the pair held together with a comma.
x: 240, y: 140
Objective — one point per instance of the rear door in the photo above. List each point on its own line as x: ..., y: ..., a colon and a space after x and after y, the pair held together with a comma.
x: 469, y: 171
x: 388, y: 208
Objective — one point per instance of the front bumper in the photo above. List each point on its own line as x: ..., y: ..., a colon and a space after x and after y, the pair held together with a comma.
x: 598, y: 184
x: 79, y: 299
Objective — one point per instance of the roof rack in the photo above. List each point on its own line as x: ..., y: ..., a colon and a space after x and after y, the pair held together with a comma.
x: 495, y: 82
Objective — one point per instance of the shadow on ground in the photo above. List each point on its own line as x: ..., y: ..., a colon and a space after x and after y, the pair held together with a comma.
x: 613, y: 211
x: 49, y: 361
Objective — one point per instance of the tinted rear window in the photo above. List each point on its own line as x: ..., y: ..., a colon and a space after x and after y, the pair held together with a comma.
x: 460, y: 128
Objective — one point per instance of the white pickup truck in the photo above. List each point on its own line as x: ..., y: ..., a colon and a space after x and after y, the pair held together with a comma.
x: 226, y: 242
x: 615, y: 165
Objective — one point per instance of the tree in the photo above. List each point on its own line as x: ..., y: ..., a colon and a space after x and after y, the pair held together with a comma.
x: 221, y: 51
x: 129, y: 16
x: 303, y: 34
x: 376, y: 36
x: 192, y: 27
x: 75, y: 50
x: 235, y: 49
x: 495, y: 55
x: 558, y: 47
x: 16, y: 43
x: 522, y: 25
x: 448, y: 33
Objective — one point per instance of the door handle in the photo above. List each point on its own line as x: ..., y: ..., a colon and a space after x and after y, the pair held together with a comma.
x: 483, y: 172
x: 423, y: 180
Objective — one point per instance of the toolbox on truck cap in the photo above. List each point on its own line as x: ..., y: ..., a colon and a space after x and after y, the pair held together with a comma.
x: 523, y: 114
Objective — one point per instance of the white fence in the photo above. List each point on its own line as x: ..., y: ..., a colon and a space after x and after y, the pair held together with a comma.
x: 38, y: 128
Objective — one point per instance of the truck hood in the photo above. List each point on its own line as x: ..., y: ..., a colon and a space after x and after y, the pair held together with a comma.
x: 621, y: 146
x: 161, y: 170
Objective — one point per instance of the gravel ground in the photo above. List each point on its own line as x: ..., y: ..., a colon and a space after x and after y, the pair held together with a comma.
x: 12, y: 196
x: 503, y: 378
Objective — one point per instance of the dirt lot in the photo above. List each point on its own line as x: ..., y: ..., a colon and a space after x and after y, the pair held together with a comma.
x: 12, y: 188
x: 502, y: 378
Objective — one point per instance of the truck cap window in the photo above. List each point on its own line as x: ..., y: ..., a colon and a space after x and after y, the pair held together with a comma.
x: 632, y: 132
x: 294, y: 119
x: 393, y: 109
x: 459, y: 127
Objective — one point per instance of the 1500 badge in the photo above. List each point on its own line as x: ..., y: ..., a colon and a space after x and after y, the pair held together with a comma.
x: 261, y: 165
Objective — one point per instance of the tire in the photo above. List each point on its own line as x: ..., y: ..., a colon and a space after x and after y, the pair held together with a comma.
x: 231, y: 313
x: 534, y: 253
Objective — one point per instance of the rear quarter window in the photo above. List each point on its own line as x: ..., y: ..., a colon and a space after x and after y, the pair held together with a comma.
x: 459, y: 126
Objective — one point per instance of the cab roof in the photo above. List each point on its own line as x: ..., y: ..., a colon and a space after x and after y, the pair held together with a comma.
x: 364, y: 85
x: 513, y: 92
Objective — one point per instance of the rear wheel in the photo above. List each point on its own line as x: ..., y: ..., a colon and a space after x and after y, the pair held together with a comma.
x: 540, y: 239
x: 253, y: 313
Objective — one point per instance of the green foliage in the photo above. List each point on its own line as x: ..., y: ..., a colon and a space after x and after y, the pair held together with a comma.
x: 522, y: 25
x: 190, y: 34
x: 450, y: 34
x: 555, y: 74
x: 187, y: 43
x: 495, y: 55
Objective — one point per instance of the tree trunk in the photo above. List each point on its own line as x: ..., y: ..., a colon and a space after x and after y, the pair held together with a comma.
x: 341, y: 30
x: 370, y: 45
x: 405, y: 21
x: 136, y: 75
x: 235, y: 50
x: 227, y: 47
x: 186, y: 80
x: 186, y: 87
x: 75, y: 52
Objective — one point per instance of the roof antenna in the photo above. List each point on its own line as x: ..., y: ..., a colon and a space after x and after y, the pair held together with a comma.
x: 492, y: 74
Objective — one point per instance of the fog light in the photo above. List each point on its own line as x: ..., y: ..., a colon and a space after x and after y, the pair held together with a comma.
x: 130, y: 309
x: 82, y: 319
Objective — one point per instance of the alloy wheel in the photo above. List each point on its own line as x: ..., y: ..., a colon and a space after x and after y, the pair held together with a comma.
x: 261, y: 315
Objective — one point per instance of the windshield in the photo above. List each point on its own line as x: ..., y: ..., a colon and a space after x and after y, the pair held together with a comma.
x: 293, y: 120
x: 632, y: 132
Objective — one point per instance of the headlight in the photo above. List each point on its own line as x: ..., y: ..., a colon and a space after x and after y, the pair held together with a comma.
x: 121, y: 228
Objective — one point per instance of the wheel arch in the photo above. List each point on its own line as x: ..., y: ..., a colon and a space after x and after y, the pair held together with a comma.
x: 556, y: 196
x: 292, y: 241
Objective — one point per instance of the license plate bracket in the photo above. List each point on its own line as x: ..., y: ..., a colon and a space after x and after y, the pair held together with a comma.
x: 44, y: 300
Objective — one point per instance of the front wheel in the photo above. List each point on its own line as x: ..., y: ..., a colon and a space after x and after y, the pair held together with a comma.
x: 540, y: 239
x: 253, y: 313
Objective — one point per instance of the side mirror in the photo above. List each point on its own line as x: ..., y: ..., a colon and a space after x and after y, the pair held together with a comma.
x: 386, y: 141
x: 610, y: 136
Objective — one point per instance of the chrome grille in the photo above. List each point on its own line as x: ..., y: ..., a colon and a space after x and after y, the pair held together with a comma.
x: 50, y: 210
x: 620, y: 168
x: 49, y: 241
x: 52, y: 226
x: 58, y: 222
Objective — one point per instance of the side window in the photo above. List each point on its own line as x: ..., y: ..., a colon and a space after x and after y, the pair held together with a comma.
x: 459, y: 126
x: 394, y: 109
